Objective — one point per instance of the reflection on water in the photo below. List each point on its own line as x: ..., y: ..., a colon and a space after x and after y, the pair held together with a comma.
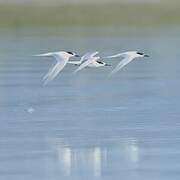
x: 132, y: 150
x: 97, y: 158
x: 93, y: 161
x: 65, y: 160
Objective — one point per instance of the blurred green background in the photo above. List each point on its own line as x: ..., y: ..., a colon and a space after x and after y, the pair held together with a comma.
x: 117, y: 13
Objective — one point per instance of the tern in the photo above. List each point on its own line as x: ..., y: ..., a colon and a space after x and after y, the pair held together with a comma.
x: 62, y: 58
x: 83, y: 58
x: 90, y: 60
x: 128, y: 57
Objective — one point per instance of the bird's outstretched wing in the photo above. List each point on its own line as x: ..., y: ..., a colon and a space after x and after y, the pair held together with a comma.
x: 88, y: 55
x: 45, y: 54
x: 114, y: 56
x: 52, y: 73
x: 122, y: 63
x: 86, y: 63
x: 56, y: 69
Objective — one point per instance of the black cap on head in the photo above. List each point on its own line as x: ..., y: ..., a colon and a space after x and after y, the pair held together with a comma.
x: 100, y: 62
x: 70, y: 52
x: 73, y: 54
x: 140, y: 53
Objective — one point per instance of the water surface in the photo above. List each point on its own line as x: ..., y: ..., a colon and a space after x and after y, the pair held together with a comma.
x: 89, y: 126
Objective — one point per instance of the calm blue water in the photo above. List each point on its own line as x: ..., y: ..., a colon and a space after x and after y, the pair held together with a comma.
x: 89, y: 126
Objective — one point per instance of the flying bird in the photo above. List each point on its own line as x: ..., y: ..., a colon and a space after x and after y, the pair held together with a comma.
x: 128, y: 57
x: 62, y: 58
x: 90, y: 60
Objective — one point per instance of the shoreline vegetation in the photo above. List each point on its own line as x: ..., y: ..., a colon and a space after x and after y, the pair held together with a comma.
x: 94, y: 15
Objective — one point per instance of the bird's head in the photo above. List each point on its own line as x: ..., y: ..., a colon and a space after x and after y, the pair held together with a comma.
x: 135, y: 54
x: 72, y: 54
x: 68, y: 54
x: 140, y: 54
x: 103, y: 63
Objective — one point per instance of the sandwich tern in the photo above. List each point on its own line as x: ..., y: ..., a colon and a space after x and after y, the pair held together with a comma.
x: 128, y: 57
x: 62, y: 58
x: 83, y: 58
x: 90, y: 60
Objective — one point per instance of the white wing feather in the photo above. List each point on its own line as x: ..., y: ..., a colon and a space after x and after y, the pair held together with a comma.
x: 45, y: 54
x: 88, y: 55
x: 86, y: 63
x: 74, y: 62
x: 123, y: 63
x: 83, y: 58
x: 115, y: 56
x: 55, y: 70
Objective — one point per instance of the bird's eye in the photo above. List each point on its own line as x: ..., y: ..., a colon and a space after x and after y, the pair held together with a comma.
x: 70, y: 53
x: 140, y: 53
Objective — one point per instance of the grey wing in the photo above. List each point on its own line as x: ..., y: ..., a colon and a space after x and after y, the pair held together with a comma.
x: 88, y: 55
x: 123, y: 63
x: 45, y: 54
x: 53, y: 72
x: 86, y: 63
x: 114, y: 56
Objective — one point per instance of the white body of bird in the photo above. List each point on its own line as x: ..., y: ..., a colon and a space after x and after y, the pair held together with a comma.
x: 62, y: 58
x: 127, y: 58
x: 90, y: 60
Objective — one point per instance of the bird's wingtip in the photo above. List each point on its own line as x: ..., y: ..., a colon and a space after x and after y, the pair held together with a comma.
x: 37, y: 55
x: 45, y: 82
x: 75, y: 71
x: 43, y: 55
x: 110, y: 75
